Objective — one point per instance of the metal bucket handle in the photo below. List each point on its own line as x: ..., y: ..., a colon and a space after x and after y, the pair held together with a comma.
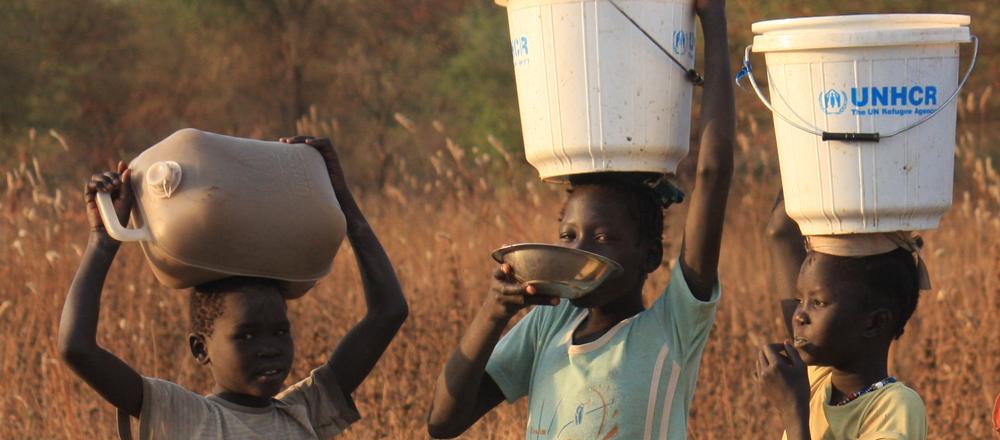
x: 689, y: 73
x: 747, y: 72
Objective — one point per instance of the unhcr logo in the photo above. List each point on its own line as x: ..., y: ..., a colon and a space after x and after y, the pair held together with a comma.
x: 894, y: 96
x: 832, y: 102
x: 684, y: 43
x: 519, y: 48
x: 883, y: 100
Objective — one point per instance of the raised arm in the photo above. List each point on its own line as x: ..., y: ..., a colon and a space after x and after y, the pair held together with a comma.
x: 705, y: 218
x: 356, y: 354
x: 464, y: 392
x: 111, y: 377
x: 787, y: 250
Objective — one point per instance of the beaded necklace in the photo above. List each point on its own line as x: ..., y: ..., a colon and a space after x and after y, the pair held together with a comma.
x: 872, y: 387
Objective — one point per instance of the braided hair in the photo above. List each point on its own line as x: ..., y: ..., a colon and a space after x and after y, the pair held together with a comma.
x: 206, y: 301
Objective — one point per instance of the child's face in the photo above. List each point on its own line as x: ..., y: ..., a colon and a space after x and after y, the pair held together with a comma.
x: 829, y: 322
x: 250, y: 351
x: 596, y: 220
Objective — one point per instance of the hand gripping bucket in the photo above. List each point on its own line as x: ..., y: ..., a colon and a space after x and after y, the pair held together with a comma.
x: 210, y: 206
x: 603, y: 85
x: 863, y: 117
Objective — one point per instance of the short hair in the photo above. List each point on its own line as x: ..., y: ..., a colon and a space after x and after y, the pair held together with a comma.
x: 206, y: 301
x: 890, y: 280
x: 644, y: 204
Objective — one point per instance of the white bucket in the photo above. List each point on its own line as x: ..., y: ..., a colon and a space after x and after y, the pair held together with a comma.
x: 863, y: 121
x: 595, y: 93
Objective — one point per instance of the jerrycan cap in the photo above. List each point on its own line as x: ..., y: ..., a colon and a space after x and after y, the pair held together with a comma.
x: 163, y: 178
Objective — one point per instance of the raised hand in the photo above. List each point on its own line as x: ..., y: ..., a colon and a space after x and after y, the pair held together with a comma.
x: 118, y: 184
x: 325, y: 148
x: 782, y: 377
x: 702, y: 7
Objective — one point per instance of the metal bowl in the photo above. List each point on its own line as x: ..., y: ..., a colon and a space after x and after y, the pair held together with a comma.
x: 556, y: 270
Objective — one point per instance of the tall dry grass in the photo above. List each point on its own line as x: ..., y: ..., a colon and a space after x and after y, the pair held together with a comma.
x: 438, y: 220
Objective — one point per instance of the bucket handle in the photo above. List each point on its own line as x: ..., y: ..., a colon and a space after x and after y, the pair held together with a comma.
x: 689, y: 73
x: 111, y: 224
x: 747, y: 72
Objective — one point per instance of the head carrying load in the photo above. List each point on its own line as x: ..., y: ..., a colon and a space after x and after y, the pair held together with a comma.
x: 210, y: 206
x: 862, y: 245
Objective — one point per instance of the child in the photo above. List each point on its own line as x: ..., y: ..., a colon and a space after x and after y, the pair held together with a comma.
x: 996, y: 415
x: 601, y: 366
x: 240, y: 330
x: 849, y: 311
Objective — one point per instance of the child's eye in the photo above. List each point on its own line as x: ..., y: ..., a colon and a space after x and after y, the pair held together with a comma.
x: 602, y: 238
x: 819, y: 303
x: 566, y: 236
x: 244, y: 336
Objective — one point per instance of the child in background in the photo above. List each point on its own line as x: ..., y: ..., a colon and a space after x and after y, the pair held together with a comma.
x: 849, y: 310
x: 602, y: 366
x: 996, y: 416
x: 240, y: 331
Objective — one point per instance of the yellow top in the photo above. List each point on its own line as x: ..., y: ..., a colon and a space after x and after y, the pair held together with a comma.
x: 893, y: 412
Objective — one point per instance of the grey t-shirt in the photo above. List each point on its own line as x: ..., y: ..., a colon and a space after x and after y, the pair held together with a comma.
x: 314, y: 408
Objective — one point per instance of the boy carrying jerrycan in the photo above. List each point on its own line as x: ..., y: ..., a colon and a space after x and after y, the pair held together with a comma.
x: 600, y: 365
x: 239, y: 322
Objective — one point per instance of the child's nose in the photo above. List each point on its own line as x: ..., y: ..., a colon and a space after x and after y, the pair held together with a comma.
x: 583, y: 244
x: 268, y: 351
x: 800, y: 316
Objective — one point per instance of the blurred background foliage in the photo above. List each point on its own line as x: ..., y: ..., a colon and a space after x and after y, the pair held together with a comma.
x: 111, y: 77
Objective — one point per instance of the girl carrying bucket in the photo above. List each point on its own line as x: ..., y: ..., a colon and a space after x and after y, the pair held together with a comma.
x: 865, y: 128
x: 830, y: 378
x: 602, y: 366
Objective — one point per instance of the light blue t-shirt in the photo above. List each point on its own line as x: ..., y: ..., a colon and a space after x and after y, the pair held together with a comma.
x: 635, y: 382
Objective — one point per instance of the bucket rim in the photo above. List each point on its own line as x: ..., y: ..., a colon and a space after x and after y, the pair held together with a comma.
x: 518, y: 4
x: 860, y: 31
x: 860, y: 40
x: 870, y: 21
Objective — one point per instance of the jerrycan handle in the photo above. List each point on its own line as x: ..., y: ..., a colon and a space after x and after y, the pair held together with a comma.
x: 111, y: 224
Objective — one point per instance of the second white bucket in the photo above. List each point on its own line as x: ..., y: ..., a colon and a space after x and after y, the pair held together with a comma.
x: 863, y: 117
x: 595, y: 94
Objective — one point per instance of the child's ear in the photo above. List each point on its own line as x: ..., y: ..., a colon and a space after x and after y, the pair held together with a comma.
x: 198, y: 348
x: 879, y: 323
x: 653, y: 256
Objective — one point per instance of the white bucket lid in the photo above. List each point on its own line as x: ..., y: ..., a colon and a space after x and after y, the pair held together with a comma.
x: 868, y: 30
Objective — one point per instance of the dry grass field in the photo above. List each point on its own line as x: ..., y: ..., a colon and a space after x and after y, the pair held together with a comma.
x: 438, y: 226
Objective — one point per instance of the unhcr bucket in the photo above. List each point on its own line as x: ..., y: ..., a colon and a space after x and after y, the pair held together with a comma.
x: 603, y: 85
x: 863, y: 117
x: 210, y: 206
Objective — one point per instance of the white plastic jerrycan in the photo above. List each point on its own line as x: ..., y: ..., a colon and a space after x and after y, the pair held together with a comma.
x: 603, y: 85
x: 210, y: 206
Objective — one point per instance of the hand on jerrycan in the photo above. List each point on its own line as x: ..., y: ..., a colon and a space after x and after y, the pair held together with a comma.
x: 325, y: 149
x: 706, y: 6
x: 117, y: 184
